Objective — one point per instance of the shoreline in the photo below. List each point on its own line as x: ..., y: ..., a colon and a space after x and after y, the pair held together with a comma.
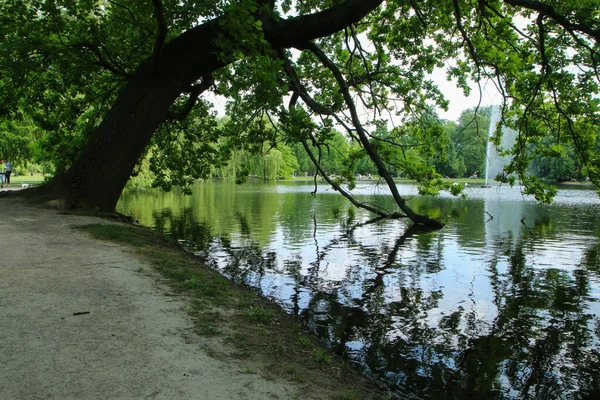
x: 133, y: 316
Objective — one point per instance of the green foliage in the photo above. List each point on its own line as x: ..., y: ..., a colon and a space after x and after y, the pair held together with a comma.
x: 322, y: 356
x: 470, y: 138
x: 305, y: 341
x: 185, y: 151
x: 64, y: 64
x: 18, y: 140
x: 260, y: 314
x: 276, y: 163
x: 254, y: 147
x: 556, y: 158
x: 542, y: 193
x: 141, y: 177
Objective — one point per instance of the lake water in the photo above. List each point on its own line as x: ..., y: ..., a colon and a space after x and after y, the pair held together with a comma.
x: 501, y: 303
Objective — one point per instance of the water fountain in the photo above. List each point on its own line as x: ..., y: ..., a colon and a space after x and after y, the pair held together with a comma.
x: 494, y: 162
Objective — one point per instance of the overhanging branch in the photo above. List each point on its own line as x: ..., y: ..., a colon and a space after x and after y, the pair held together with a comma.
x: 161, y: 33
x: 557, y: 17
x: 299, y: 89
x: 294, y: 32
x: 194, y: 91
x: 364, y: 139
x: 337, y: 187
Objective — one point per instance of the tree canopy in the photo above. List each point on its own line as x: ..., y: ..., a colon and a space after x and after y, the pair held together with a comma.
x: 108, y: 81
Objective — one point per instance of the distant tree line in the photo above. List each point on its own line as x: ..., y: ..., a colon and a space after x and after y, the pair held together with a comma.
x: 463, y: 142
x: 461, y: 153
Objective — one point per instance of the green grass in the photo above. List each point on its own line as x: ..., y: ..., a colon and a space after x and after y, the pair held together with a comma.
x: 305, y: 341
x: 322, y: 357
x: 472, y: 182
x: 260, y: 314
x: 250, y: 328
x: 18, y: 180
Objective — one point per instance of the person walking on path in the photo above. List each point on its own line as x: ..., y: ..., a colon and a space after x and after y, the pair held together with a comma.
x: 2, y: 174
x: 7, y: 170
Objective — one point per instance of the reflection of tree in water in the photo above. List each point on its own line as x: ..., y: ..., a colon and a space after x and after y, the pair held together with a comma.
x: 543, y: 342
x: 366, y: 326
x: 247, y: 264
x: 192, y: 235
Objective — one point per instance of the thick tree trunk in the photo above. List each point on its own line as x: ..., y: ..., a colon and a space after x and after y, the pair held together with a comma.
x: 104, y: 166
x: 99, y: 175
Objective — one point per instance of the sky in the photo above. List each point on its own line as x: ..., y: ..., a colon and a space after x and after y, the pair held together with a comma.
x: 459, y: 102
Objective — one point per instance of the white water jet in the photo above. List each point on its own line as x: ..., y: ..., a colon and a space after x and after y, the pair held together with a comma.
x: 494, y: 162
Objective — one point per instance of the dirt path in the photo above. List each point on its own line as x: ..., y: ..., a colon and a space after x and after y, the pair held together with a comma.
x: 85, y: 319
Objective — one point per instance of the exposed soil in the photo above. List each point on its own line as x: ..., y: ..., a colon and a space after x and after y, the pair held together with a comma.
x: 82, y: 318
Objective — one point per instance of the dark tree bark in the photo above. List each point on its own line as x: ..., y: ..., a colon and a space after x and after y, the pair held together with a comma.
x: 100, y: 173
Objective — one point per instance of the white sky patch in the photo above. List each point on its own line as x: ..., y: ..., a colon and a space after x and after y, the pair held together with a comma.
x: 458, y: 101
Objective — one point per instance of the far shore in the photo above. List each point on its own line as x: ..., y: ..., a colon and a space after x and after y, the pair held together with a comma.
x: 18, y: 181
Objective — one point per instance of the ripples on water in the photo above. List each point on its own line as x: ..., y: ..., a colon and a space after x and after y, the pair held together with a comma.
x: 501, y: 303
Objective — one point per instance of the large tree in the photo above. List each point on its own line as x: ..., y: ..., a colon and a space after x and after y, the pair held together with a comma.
x: 106, y: 75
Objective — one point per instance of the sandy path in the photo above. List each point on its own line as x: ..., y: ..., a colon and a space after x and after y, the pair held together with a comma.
x: 135, y: 343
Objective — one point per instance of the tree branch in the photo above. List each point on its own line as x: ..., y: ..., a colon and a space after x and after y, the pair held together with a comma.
x: 364, y: 139
x: 337, y: 187
x: 110, y: 64
x: 195, y: 91
x: 294, y: 32
x: 161, y: 33
x: 299, y: 88
x: 198, y: 54
x: 554, y: 15
x: 125, y: 8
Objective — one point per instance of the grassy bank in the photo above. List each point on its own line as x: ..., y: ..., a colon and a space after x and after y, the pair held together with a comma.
x: 18, y: 180
x: 245, y: 327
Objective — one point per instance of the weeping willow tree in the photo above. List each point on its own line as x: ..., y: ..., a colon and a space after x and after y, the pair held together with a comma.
x: 111, y: 79
x: 269, y: 166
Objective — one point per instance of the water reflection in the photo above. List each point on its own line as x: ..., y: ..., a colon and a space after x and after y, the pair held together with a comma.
x: 486, y: 308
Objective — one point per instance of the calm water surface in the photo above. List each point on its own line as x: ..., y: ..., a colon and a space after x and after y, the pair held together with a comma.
x: 501, y: 303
